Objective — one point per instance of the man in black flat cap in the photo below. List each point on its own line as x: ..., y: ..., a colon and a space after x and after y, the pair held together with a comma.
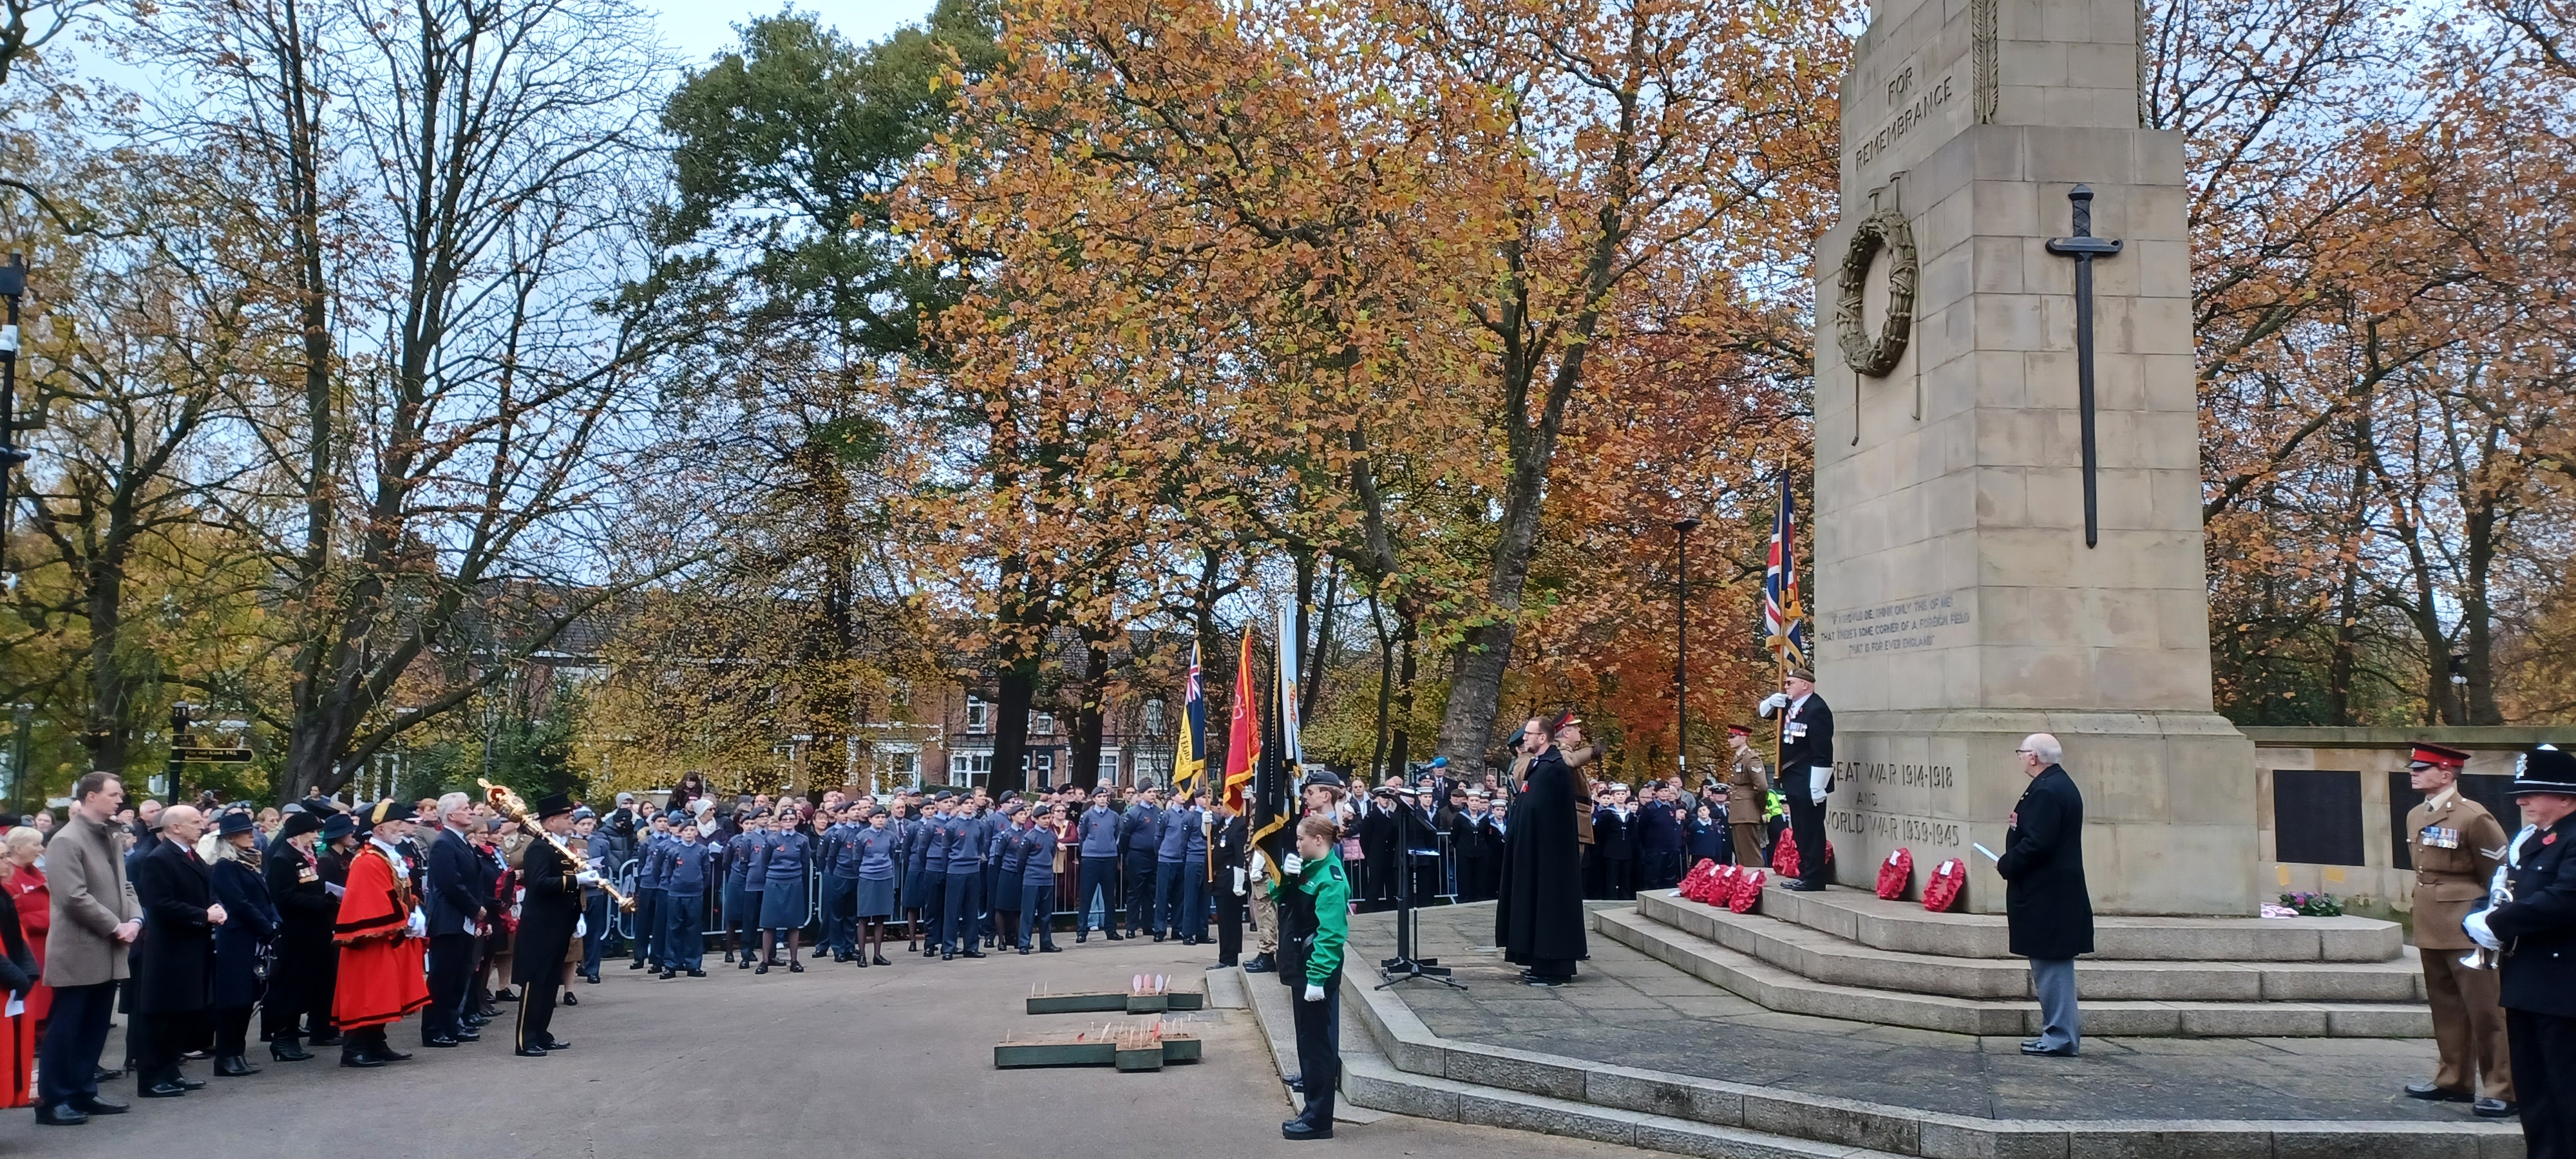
x: 2530, y: 922
x: 547, y: 916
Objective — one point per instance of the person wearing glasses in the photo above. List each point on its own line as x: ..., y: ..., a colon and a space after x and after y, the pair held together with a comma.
x: 2047, y: 909
x: 1806, y: 771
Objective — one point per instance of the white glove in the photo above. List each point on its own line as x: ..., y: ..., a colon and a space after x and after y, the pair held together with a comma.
x: 1817, y: 776
x: 1238, y: 883
x: 471, y: 929
x: 2476, y: 925
x: 586, y: 877
x: 1314, y: 993
x: 580, y: 928
x: 418, y: 926
x: 1774, y: 703
x: 1293, y: 865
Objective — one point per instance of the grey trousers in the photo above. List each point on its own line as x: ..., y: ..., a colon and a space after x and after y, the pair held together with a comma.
x: 2053, y: 980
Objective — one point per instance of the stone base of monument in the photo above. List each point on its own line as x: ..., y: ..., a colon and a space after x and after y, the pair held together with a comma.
x: 1846, y: 954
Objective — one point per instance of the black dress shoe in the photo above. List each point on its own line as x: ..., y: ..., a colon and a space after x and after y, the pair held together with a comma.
x: 1113, y: 936
x: 972, y: 952
x: 162, y: 1091
x: 1800, y: 886
x: 505, y: 994
x: 2437, y: 1094
x: 233, y: 1066
x: 881, y: 960
x: 360, y: 1058
x: 106, y: 1075
x: 762, y: 968
x: 1080, y: 938
x: 571, y: 999
x: 1298, y: 1132
x: 2039, y: 1051
x: 667, y: 975
x: 744, y: 964
x: 192, y: 1084
x: 2494, y: 1108
x: 323, y: 1040
x: 1296, y: 1083
x: 488, y: 1013
x: 60, y: 1115
x: 795, y: 967
x: 637, y: 964
x: 436, y: 1041
x: 558, y: 1044
x: 1050, y: 949
x: 530, y: 1052
x: 1026, y: 950
x: 1260, y: 964
x: 947, y: 955
x: 389, y: 1054
x: 592, y: 978
x: 469, y: 1034
x: 97, y: 1105
x: 286, y: 1050
x: 692, y: 973
x: 728, y: 956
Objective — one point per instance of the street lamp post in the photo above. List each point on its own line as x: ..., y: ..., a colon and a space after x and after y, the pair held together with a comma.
x: 13, y: 287
x: 1681, y: 644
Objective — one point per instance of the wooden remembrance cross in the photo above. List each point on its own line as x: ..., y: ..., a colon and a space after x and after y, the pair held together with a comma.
x: 2084, y: 247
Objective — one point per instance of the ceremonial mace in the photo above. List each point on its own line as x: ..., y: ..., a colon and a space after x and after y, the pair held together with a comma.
x: 508, y: 804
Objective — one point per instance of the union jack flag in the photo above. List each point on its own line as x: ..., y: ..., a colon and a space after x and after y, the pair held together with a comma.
x: 1783, y: 628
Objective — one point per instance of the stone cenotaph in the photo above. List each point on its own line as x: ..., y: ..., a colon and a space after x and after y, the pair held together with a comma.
x: 2007, y: 493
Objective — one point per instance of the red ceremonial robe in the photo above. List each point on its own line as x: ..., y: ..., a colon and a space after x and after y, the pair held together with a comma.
x: 381, y: 978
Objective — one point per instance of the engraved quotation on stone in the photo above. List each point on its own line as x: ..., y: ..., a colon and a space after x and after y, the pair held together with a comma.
x: 1875, y: 356
x: 1896, y: 627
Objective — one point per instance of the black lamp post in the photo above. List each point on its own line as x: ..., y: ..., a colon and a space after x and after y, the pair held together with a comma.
x: 13, y: 287
x: 1681, y: 645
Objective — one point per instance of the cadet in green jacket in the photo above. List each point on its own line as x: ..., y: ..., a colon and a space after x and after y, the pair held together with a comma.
x: 1318, y: 926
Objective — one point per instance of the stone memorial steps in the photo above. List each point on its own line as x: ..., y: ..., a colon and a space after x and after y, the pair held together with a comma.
x: 1812, y: 953
x: 1906, y: 927
x: 1784, y: 990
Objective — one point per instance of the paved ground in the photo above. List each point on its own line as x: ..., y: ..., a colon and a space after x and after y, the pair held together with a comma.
x: 1634, y: 1011
x: 886, y: 1061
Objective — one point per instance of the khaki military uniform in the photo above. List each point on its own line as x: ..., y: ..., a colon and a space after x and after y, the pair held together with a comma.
x: 1745, y: 798
x: 2457, y: 845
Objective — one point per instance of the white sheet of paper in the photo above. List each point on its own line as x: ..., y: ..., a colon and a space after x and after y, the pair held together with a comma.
x: 1990, y: 854
x: 17, y: 1006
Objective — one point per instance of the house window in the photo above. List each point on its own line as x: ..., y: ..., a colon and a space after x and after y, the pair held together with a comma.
x: 905, y: 768
x: 1041, y: 768
x: 1041, y: 724
x: 1108, y: 765
x: 970, y: 768
x: 1153, y: 768
x: 1153, y: 718
x: 979, y: 715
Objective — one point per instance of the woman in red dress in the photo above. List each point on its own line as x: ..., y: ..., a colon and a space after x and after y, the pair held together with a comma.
x: 23, y: 999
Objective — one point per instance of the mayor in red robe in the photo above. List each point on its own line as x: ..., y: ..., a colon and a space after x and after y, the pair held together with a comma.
x: 381, y: 980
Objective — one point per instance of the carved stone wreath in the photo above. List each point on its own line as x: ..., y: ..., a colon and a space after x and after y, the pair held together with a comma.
x: 1877, y: 355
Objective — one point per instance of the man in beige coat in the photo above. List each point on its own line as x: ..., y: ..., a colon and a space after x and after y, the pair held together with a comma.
x: 96, y: 920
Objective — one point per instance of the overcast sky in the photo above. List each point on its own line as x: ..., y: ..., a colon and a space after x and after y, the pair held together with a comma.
x: 698, y: 29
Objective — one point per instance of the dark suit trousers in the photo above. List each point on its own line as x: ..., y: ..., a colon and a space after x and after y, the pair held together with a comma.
x: 684, y: 930
x: 537, y: 1010
x: 75, y: 1034
x: 1229, y: 921
x: 1319, y: 1048
x: 2544, y: 1074
x: 159, y: 1041
x: 451, y: 973
x: 1099, y: 879
x: 1807, y: 825
x: 1140, y: 890
x: 1166, y: 917
x: 1037, y: 912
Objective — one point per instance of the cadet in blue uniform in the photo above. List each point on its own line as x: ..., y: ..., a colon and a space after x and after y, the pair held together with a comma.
x: 841, y: 885
x: 998, y: 823
x: 783, y: 903
x: 964, y: 887
x: 740, y: 898
x: 2531, y: 925
x: 1096, y: 835
x: 1194, y: 873
x: 1164, y: 919
x: 1140, y: 834
x: 1002, y: 873
x: 1037, y: 881
x: 934, y: 873
x: 912, y: 840
x: 688, y: 864
x: 648, y: 896
x: 874, y: 900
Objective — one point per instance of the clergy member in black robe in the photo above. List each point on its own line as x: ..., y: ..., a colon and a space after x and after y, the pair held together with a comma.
x: 1539, y: 921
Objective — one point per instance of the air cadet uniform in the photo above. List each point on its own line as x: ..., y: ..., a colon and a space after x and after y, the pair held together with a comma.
x: 914, y: 845
x: 1037, y: 881
x: 934, y: 877
x: 741, y: 897
x: 997, y: 827
x: 963, y: 889
x: 784, y: 905
x: 2457, y: 846
x: 648, y: 901
x: 841, y: 889
x: 1140, y: 834
x: 1002, y: 881
x: 1096, y: 849
x: 1171, y: 856
x: 2532, y: 925
x: 874, y: 900
x: 688, y: 864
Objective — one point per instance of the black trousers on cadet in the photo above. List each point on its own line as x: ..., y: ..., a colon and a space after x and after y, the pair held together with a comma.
x: 1319, y: 1049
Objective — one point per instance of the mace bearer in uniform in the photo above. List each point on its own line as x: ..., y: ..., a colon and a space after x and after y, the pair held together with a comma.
x: 2457, y: 846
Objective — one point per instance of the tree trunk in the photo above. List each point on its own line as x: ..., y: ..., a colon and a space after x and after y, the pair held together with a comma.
x: 1310, y: 684
x: 1087, y: 716
x: 1011, y: 731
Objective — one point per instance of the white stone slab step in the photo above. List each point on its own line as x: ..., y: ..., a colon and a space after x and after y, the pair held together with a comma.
x: 1906, y: 927
x: 1813, y: 953
x: 1778, y: 989
x: 1372, y: 1082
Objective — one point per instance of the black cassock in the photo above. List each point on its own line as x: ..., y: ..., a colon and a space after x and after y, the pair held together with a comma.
x: 1539, y: 920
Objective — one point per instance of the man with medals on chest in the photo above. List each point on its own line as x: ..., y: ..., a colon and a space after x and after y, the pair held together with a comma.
x: 2529, y: 924
x: 2456, y: 847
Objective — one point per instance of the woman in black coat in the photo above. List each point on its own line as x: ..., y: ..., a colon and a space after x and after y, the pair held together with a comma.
x: 250, y: 924
x: 301, y: 966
